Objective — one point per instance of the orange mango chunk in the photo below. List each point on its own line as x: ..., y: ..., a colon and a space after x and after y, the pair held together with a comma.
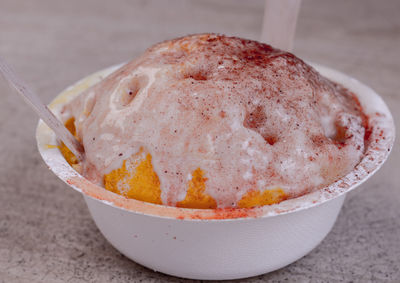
x: 257, y: 198
x: 195, y: 196
x: 68, y: 155
x: 140, y: 182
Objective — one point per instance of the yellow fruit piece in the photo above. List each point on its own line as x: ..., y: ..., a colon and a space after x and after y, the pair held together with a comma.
x: 256, y: 198
x: 68, y: 155
x: 137, y: 180
x: 195, y: 197
x: 70, y: 125
x: 139, y: 183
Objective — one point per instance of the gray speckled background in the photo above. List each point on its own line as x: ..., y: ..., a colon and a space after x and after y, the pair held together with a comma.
x: 46, y: 232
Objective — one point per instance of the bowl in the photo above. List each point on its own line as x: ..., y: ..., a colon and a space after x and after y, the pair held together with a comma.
x: 221, y: 243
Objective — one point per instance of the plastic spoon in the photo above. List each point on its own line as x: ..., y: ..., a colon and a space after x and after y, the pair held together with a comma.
x: 44, y: 113
x: 279, y: 24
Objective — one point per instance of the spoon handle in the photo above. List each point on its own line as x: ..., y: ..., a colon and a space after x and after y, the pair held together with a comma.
x: 279, y: 24
x: 44, y: 113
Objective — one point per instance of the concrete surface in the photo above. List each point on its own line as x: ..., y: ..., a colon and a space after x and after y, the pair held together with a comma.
x: 46, y: 232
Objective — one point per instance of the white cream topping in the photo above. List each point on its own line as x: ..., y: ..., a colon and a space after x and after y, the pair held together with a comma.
x: 261, y: 120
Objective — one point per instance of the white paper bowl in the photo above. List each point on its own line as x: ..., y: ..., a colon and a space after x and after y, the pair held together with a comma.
x: 221, y: 243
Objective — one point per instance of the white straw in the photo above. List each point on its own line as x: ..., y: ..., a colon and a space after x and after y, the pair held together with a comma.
x: 44, y: 113
x: 279, y: 24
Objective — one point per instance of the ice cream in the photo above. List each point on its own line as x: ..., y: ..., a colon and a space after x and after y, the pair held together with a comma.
x: 209, y: 121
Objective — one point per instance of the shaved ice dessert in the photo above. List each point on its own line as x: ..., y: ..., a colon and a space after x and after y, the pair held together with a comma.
x: 209, y: 121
